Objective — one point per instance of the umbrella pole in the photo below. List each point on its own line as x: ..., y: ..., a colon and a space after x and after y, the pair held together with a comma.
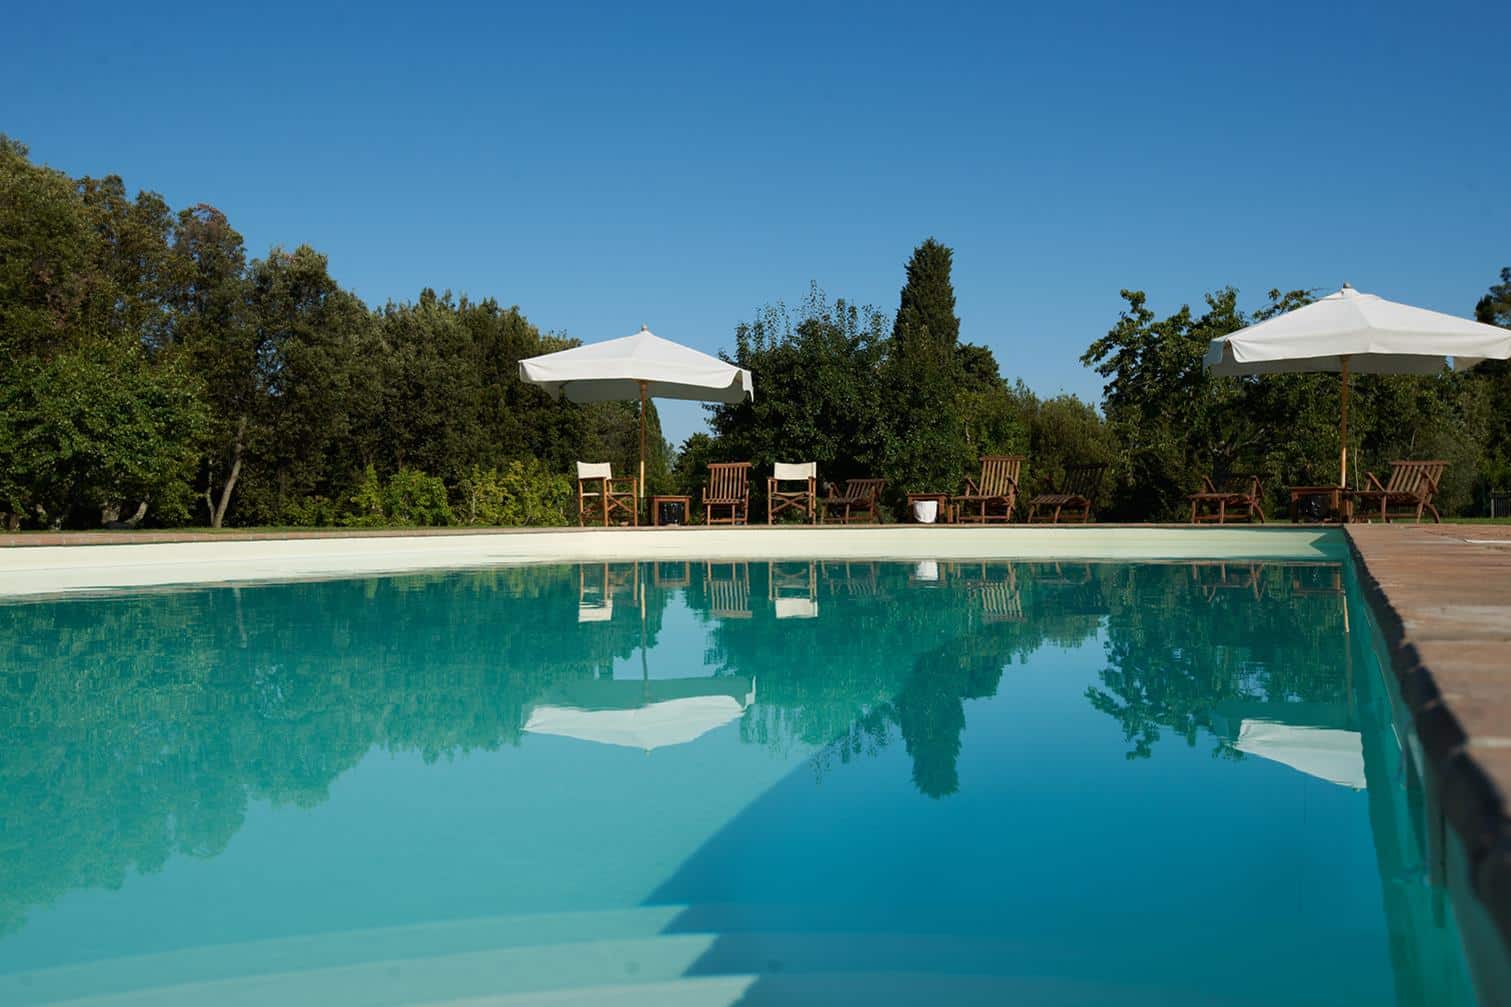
x: 642, y: 438
x: 1343, y: 431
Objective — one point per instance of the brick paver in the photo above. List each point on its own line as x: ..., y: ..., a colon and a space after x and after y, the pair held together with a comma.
x: 1442, y: 594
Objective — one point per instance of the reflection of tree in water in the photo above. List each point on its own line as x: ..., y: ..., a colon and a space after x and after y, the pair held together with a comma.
x: 138, y: 727
x: 930, y: 711
x: 141, y: 726
x: 881, y: 660
x: 1182, y: 641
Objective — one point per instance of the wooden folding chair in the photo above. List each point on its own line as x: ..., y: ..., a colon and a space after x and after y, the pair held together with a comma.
x: 804, y: 499
x: 598, y: 490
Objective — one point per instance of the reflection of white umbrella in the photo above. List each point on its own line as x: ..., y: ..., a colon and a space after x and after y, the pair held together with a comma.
x: 1324, y: 752
x: 644, y: 364
x: 643, y: 715
x: 1361, y: 333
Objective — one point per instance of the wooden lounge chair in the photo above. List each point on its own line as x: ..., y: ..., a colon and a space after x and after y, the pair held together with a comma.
x: 856, y: 580
x: 1211, y: 578
x: 1077, y: 495
x: 860, y: 498
x: 1236, y: 498
x: 728, y: 587
x: 779, y: 500
x: 598, y: 491
x: 1409, y: 492
x: 728, y: 488
x: 993, y: 496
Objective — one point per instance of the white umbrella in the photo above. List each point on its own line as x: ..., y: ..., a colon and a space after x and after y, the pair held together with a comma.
x: 1360, y: 333
x: 643, y: 364
x: 1327, y: 753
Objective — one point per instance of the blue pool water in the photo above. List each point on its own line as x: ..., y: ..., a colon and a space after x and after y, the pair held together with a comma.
x: 697, y: 783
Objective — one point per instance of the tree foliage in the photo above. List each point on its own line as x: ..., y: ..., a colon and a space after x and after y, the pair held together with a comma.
x: 147, y: 360
x: 150, y: 369
x: 1173, y: 422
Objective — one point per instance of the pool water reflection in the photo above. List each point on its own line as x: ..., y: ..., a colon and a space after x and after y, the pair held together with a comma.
x: 719, y: 783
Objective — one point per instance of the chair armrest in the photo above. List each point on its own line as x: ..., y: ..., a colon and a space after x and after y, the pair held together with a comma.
x: 1372, y: 483
x: 971, y: 489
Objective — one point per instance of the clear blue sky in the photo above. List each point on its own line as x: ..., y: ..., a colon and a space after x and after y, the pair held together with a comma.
x: 680, y: 165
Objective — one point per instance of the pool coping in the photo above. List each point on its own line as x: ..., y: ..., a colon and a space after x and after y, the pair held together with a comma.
x: 1441, y: 595
x: 135, y: 563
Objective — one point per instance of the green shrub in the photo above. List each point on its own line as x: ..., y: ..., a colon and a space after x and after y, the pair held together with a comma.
x: 521, y: 493
x: 409, y: 497
x: 311, y: 512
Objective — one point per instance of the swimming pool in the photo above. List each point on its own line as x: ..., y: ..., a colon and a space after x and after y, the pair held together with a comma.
x: 717, y: 783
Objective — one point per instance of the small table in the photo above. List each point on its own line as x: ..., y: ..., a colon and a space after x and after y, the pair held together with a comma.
x: 657, y: 502
x: 943, y: 499
x: 1339, y: 504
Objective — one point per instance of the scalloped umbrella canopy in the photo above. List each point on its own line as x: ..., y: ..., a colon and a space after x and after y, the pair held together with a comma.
x: 1352, y: 332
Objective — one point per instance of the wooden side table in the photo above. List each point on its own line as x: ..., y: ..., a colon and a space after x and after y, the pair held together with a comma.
x: 657, y: 502
x: 943, y: 499
x: 1338, y: 502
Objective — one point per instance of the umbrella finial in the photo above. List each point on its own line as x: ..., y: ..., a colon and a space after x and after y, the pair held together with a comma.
x: 1347, y: 285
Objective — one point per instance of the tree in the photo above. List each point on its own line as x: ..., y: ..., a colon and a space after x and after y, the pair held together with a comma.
x: 213, y: 330
x: 1492, y: 381
x: 130, y: 271
x: 92, y: 428
x: 819, y: 392
x: 315, y: 372
x: 927, y: 446
x: 1495, y: 307
x: 1175, y: 423
x: 44, y: 256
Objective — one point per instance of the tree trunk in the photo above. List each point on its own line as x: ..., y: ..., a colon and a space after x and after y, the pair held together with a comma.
x: 225, y: 493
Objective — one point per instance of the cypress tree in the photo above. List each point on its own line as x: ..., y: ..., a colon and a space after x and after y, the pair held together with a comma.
x: 927, y: 444
x: 927, y: 306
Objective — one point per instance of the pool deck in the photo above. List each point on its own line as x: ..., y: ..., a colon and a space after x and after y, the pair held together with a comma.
x: 1442, y: 597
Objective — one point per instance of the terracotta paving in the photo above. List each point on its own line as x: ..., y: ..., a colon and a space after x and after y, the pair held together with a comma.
x: 1442, y: 594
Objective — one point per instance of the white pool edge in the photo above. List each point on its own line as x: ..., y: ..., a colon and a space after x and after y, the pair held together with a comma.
x: 46, y: 570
